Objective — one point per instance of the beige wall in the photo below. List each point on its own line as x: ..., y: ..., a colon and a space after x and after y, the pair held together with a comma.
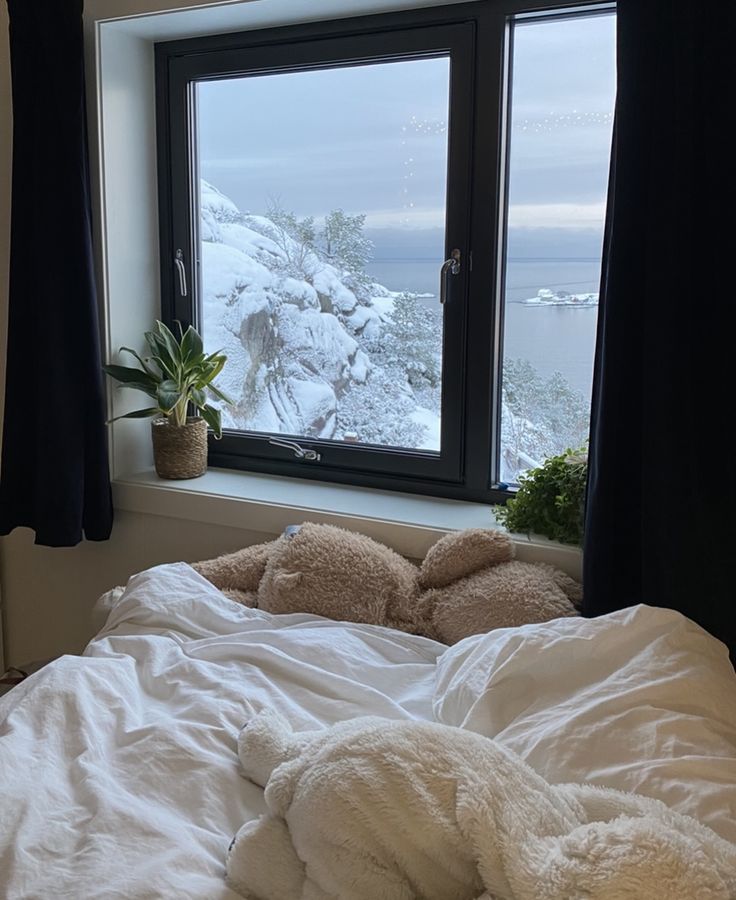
x: 49, y: 593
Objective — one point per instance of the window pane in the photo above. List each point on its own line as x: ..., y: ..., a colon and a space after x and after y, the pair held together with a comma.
x: 563, y: 91
x: 322, y: 215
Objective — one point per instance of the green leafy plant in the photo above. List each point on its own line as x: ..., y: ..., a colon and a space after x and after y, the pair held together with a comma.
x: 550, y: 499
x: 177, y: 375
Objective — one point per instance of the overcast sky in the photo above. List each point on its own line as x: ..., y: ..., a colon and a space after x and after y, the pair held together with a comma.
x: 373, y: 139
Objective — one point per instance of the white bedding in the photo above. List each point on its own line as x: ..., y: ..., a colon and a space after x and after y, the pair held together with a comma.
x: 119, y: 775
x: 642, y: 700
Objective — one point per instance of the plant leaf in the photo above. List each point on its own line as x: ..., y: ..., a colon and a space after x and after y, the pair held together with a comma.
x: 168, y: 369
x: 216, y: 392
x: 128, y: 375
x: 162, y: 353
x: 168, y: 395
x: 198, y: 398
x: 213, y: 419
x: 138, y: 414
x: 143, y: 362
x: 213, y: 369
x: 191, y: 346
x: 170, y: 342
x: 149, y: 389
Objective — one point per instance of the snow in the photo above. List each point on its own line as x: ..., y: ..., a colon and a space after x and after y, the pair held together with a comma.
x: 327, y: 282
x: 431, y: 422
x: 384, y: 306
x: 361, y: 367
x: 221, y: 207
x: 299, y: 293
x: 227, y: 273
x: 317, y: 351
x: 287, y: 322
x: 318, y: 343
x: 316, y: 403
x: 546, y: 297
x: 248, y: 241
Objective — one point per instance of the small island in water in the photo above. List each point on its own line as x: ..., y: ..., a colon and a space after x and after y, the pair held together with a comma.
x: 546, y: 297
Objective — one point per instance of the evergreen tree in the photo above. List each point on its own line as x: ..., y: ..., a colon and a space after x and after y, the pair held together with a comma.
x: 541, y: 417
x: 343, y: 243
x: 410, y: 343
x: 297, y: 240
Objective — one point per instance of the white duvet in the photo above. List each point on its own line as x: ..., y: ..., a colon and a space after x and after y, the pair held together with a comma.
x: 118, y: 771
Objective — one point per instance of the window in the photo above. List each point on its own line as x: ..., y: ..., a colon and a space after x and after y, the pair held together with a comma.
x: 333, y: 216
x: 563, y: 83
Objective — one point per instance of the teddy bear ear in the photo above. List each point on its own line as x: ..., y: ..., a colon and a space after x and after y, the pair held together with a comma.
x: 571, y: 588
x: 240, y: 571
x: 463, y: 553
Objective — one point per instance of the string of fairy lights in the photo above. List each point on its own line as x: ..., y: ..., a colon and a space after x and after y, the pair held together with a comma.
x: 548, y: 124
x: 560, y: 121
x: 421, y: 128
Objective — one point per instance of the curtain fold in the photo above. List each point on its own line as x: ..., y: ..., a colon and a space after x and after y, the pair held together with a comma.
x: 54, y: 477
x: 662, y: 490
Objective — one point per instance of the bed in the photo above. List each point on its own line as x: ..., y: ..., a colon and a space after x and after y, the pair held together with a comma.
x: 118, y: 768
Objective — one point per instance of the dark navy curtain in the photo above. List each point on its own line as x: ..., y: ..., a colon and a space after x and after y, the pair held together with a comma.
x: 662, y: 492
x: 54, y: 477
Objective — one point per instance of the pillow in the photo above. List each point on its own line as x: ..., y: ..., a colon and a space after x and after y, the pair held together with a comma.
x: 641, y: 700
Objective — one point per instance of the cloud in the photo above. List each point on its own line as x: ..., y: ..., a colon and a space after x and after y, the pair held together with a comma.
x: 557, y: 215
x: 412, y: 217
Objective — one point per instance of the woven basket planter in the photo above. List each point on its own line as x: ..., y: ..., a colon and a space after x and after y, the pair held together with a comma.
x: 179, y: 451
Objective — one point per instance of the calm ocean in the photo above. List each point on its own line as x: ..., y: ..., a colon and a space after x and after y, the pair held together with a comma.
x: 554, y: 339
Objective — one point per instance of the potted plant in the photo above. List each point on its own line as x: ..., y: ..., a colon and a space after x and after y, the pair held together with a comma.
x: 179, y: 377
x: 550, y: 499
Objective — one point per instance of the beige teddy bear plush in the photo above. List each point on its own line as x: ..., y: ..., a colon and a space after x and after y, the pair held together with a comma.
x: 469, y: 582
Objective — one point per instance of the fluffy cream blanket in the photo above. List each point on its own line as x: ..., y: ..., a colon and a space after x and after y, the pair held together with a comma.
x: 374, y: 809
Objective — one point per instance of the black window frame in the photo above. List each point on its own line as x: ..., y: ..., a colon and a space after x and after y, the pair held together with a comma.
x: 479, y: 35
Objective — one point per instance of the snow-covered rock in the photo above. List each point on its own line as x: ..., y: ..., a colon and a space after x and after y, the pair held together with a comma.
x: 217, y: 204
x: 290, y: 350
x: 335, y: 296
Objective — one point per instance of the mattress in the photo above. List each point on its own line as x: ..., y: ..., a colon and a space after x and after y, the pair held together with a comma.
x: 118, y: 768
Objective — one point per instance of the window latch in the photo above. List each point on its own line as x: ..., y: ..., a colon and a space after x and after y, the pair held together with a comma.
x: 450, y: 266
x: 300, y: 452
x: 179, y: 262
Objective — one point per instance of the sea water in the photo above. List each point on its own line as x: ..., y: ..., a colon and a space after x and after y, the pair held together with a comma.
x: 553, y: 339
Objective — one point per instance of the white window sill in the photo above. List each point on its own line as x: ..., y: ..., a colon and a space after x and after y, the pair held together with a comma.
x: 266, y: 503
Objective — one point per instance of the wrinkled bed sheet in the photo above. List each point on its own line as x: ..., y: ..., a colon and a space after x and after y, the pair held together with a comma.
x: 118, y: 771
x: 642, y: 700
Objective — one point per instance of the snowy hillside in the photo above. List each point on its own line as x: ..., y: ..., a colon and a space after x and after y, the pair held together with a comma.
x: 311, y: 348
x: 316, y: 349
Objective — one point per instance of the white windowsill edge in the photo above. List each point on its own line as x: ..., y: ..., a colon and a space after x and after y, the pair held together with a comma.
x: 409, y: 523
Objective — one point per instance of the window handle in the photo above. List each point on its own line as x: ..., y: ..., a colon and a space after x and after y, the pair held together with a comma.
x: 179, y: 261
x: 299, y: 452
x: 450, y: 266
